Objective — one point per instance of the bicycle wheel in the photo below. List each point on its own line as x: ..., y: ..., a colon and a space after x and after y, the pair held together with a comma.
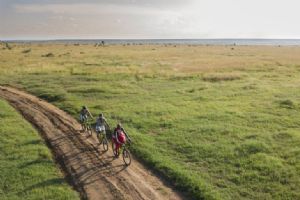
x: 113, y: 145
x: 126, y: 157
x: 99, y: 137
x: 105, y: 144
x: 89, y: 129
x: 82, y: 127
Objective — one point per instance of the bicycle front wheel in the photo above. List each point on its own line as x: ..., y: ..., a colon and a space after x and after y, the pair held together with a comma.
x: 82, y: 127
x: 126, y: 157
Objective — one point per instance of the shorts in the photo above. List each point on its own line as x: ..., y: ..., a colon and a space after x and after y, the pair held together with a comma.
x: 100, y: 128
x: 83, y: 118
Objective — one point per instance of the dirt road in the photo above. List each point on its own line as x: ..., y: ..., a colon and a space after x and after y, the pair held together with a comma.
x: 94, y: 173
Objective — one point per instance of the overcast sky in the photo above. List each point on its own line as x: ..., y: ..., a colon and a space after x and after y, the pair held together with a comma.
x: 137, y: 19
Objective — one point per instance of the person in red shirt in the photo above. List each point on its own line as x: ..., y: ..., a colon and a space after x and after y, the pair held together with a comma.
x: 119, y: 137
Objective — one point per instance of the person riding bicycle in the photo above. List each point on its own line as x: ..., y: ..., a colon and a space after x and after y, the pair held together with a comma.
x: 101, y: 123
x: 84, y: 114
x: 119, y: 137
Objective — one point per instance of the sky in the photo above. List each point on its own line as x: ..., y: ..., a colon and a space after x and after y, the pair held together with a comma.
x: 149, y: 19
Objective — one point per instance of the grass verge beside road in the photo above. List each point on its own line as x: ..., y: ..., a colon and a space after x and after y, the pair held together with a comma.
x: 26, y: 165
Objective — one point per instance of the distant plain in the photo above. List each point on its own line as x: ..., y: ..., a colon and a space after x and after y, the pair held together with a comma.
x: 221, y: 122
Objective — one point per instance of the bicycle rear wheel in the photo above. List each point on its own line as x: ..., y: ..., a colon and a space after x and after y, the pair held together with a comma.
x: 99, y: 137
x: 82, y: 127
x: 113, y: 145
x: 105, y: 144
x: 89, y: 129
x: 126, y: 157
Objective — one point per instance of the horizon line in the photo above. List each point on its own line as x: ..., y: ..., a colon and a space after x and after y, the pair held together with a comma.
x: 72, y: 39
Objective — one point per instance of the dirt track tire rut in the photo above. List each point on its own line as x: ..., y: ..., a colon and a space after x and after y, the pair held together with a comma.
x: 93, y: 173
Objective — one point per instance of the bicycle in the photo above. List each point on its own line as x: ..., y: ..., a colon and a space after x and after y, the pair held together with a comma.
x: 102, y: 139
x: 86, y: 126
x: 124, y: 151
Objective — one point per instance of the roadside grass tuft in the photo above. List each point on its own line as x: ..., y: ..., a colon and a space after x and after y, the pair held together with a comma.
x: 287, y: 104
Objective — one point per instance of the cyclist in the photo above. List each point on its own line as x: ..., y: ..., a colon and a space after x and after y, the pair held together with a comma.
x: 101, y: 123
x: 84, y: 114
x: 119, y: 137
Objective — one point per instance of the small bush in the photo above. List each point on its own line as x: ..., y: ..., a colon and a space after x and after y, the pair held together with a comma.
x: 26, y: 51
x: 8, y: 46
x: 191, y: 90
x: 88, y: 90
x: 221, y: 77
x: 48, y: 55
x: 52, y: 97
x: 287, y: 104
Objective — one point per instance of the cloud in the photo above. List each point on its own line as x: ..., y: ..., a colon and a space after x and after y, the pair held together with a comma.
x: 150, y: 18
x: 138, y: 3
x: 88, y: 9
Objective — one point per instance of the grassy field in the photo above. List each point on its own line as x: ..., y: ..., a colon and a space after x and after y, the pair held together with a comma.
x: 221, y: 122
x: 27, y: 168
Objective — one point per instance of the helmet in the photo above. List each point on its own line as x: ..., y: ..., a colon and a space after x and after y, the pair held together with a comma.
x: 100, y: 115
x: 83, y: 107
x: 119, y: 125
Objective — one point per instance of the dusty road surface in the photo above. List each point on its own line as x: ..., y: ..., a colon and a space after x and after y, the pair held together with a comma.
x: 94, y: 173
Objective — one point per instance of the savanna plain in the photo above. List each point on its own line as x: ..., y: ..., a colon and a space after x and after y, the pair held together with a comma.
x: 218, y: 122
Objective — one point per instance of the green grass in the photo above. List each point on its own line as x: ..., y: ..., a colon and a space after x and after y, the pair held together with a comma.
x: 26, y: 165
x: 219, y: 124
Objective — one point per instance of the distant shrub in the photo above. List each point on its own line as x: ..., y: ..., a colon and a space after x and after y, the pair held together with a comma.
x: 87, y: 90
x: 165, y: 124
x: 8, y: 46
x: 48, y: 55
x: 52, y: 97
x: 287, y: 103
x: 221, y: 77
x: 191, y: 90
x: 188, y: 77
x: 26, y: 51
x: 99, y: 107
